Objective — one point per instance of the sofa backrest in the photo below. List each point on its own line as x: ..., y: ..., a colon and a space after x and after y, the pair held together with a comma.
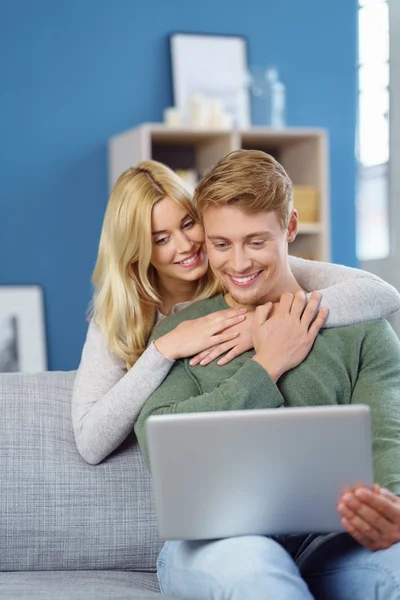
x: 56, y: 511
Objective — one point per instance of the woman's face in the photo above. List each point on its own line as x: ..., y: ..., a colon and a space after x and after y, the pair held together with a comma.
x: 177, y: 241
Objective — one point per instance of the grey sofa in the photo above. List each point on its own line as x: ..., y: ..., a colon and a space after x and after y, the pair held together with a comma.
x: 69, y: 530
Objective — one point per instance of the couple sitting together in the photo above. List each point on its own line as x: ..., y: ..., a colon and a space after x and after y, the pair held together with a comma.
x: 246, y: 329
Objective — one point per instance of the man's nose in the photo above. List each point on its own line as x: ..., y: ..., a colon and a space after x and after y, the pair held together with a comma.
x: 240, y: 263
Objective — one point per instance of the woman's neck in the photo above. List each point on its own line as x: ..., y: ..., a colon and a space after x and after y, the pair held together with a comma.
x: 174, y: 292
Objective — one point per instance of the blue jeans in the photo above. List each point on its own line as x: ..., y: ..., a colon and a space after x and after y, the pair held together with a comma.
x: 289, y: 567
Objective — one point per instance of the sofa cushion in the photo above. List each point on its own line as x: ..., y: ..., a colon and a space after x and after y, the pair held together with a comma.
x: 79, y: 585
x: 56, y: 511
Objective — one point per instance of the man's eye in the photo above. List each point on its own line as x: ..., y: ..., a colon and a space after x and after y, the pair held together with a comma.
x: 257, y: 244
x: 220, y: 246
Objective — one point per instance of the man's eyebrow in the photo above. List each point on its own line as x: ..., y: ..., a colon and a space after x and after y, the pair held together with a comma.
x: 264, y: 233
x: 165, y: 231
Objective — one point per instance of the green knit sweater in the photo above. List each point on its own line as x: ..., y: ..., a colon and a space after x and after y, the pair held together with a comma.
x: 358, y: 364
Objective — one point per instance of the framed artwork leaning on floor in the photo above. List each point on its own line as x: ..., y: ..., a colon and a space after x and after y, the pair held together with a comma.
x: 22, y: 330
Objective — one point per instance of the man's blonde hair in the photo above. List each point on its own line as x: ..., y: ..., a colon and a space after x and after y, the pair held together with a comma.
x: 252, y: 180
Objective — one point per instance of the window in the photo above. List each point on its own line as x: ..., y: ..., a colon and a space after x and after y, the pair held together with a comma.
x: 372, y: 151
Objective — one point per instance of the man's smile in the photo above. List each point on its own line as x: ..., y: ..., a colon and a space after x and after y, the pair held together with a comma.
x: 244, y: 280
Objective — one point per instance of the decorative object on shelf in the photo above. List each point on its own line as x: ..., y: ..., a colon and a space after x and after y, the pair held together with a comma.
x: 207, y: 113
x: 214, y: 67
x: 218, y: 118
x: 22, y: 335
x: 306, y: 201
x: 268, y: 97
x: 172, y: 117
x: 197, y: 113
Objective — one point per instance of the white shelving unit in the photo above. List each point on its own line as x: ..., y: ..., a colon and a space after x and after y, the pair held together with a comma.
x: 302, y: 152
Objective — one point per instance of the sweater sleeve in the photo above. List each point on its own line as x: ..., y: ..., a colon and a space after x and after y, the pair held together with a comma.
x: 378, y: 386
x: 250, y: 387
x: 352, y: 295
x: 107, y: 398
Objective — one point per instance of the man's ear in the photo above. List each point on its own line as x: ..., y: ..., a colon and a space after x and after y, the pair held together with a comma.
x: 293, y: 226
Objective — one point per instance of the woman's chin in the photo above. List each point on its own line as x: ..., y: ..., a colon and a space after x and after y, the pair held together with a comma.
x: 192, y: 274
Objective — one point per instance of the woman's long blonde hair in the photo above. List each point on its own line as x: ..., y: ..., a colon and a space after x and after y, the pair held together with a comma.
x: 126, y: 295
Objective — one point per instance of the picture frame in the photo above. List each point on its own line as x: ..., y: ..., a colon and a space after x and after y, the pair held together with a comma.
x: 22, y: 330
x: 214, y: 66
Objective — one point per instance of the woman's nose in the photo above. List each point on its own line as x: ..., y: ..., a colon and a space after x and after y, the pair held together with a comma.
x: 183, y: 244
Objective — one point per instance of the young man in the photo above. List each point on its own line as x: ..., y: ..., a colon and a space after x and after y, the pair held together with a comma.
x: 246, y: 206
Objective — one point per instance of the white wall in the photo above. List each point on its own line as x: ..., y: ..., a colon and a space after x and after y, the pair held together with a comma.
x: 394, y: 23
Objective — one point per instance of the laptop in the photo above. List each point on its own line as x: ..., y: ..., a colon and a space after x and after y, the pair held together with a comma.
x: 266, y: 472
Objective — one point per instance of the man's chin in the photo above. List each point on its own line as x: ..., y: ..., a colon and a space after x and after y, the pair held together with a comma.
x: 246, y: 298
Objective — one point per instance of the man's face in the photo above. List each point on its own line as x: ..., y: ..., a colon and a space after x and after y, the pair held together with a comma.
x: 249, y: 253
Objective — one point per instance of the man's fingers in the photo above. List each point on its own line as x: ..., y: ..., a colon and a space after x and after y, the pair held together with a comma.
x: 261, y: 313
x: 372, y: 516
x: 386, y: 493
x: 360, y: 524
x: 285, y: 303
x: 298, y: 304
x: 381, y: 503
x: 359, y: 537
x: 318, y: 323
x: 369, y: 516
x: 311, y: 309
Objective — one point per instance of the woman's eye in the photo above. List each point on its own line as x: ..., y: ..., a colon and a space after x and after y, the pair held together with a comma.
x: 188, y: 224
x: 162, y: 240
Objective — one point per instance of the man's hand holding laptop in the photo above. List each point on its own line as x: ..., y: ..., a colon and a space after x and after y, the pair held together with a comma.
x: 371, y: 516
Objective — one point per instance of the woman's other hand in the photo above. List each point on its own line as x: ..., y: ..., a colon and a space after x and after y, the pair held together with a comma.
x: 197, y: 335
x: 231, y: 348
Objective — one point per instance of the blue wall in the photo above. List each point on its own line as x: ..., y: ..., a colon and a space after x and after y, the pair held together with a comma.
x: 74, y: 73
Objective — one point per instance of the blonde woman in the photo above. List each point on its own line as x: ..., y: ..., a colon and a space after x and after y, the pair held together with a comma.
x: 151, y: 263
